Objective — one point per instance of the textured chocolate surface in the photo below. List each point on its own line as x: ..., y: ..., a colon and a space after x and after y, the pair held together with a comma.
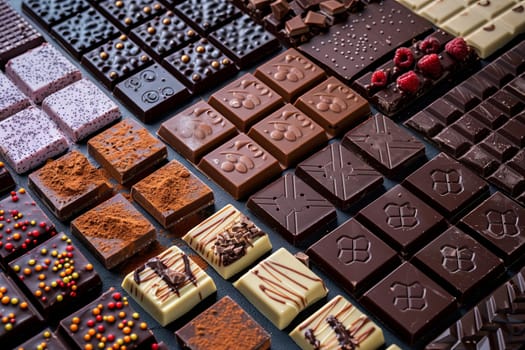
x: 151, y: 92
x: 207, y: 16
x: 84, y: 31
x: 459, y: 263
x: 339, y: 175
x: 293, y: 208
x: 129, y: 13
x: 354, y: 256
x: 115, y: 60
x: 16, y: 34
x: 46, y: 339
x: 240, y: 166
x: 447, y: 184
x: 402, y: 219
x: 409, y: 301
x: 196, y: 131
x: 13, y: 100
x: 6, y: 180
x: 50, y: 12
x: 385, y: 145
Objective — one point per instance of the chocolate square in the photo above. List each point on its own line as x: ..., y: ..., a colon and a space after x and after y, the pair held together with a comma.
x: 293, y: 208
x: 240, y: 166
x: 50, y: 12
x: 353, y: 256
x: 196, y: 131
x: 46, y: 339
x: 7, y: 184
x: 334, y: 106
x: 339, y: 175
x: 130, y: 13
x: 113, y: 231
x: 402, y: 219
x: 13, y: 100
x: 127, y: 151
x: 385, y: 145
x: 245, y: 101
x: 70, y: 185
x: 288, y: 135
x: 171, y: 193
x: 447, y: 184
x: 209, y: 15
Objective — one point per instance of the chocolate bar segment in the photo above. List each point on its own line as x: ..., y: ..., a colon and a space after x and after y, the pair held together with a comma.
x: 207, y: 16
x: 50, y: 12
x: 129, y: 13
x: 13, y: 100
x: 7, y: 184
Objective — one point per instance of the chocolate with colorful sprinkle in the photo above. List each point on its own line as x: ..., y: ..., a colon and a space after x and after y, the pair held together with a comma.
x: 43, y: 340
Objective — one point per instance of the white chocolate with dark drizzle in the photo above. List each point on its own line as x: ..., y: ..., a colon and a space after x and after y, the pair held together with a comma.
x: 228, y: 241
x: 168, y: 285
x: 280, y: 287
x: 338, y: 325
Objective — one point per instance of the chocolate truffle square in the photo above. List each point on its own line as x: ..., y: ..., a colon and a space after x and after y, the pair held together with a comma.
x: 459, y: 262
x: 280, y: 287
x: 293, y: 208
x: 23, y: 225
x: 208, y: 15
x: 245, y: 101
x: 16, y: 34
x: 240, y: 166
x: 151, y: 92
x: 200, y: 65
x: 244, y: 41
x: 334, y: 106
x: 81, y: 109
x: 326, y: 327
x: 353, y: 256
x: 385, y: 145
x: 50, y: 12
x: 130, y: 13
x: 288, y: 134
x: 290, y: 74
x: 402, y: 219
x: 46, y: 273
x: 127, y: 151
x: 29, y: 138
x: 69, y: 185
x: 13, y: 100
x: 500, y: 223
x: 115, y: 60
x: 223, y: 326
x: 84, y: 31
x: 169, y: 285
x: 163, y: 34
x: 196, y: 131
x: 113, y: 231
x: 7, y: 183
x: 126, y: 322
x: 447, y: 184
x: 25, y: 319
x: 409, y: 302
x: 41, y: 71
x: 45, y: 340
x: 228, y: 241
x: 171, y: 193
x: 339, y: 175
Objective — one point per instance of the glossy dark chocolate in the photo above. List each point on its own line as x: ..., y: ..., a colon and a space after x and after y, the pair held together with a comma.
x: 207, y: 16
x: 353, y: 256
x: 129, y: 13
x: 50, y: 12
x: 293, y: 208
x: 339, y: 175
x: 44, y: 340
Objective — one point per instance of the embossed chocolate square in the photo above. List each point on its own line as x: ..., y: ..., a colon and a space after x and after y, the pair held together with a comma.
x: 240, y: 166
x: 288, y: 134
x: 447, y: 184
x: 402, y: 219
x: 500, y: 223
x: 334, y: 106
x: 196, y: 131
x: 290, y: 74
x: 245, y: 101
x: 353, y: 256
x: 128, y: 13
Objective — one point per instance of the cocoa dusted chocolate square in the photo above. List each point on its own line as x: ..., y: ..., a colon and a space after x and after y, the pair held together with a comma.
x: 223, y: 326
x: 70, y: 185
x: 172, y: 193
x: 113, y: 231
x: 127, y: 151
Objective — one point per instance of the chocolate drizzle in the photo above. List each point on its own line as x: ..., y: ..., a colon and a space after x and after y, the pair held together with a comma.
x: 174, y: 279
x: 310, y: 336
x: 231, y: 244
x: 344, y: 336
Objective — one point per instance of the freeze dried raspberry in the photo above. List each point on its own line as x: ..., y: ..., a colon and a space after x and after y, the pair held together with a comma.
x: 457, y: 48
x: 404, y: 58
x: 408, y: 82
x: 429, y: 45
x: 430, y: 66
x: 379, y: 78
